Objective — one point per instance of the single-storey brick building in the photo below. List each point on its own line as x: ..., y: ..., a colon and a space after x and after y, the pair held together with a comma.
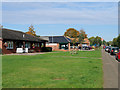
x: 57, y: 42
x: 11, y: 40
x: 62, y: 42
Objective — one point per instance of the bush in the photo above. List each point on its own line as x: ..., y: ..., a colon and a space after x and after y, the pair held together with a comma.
x: 46, y: 49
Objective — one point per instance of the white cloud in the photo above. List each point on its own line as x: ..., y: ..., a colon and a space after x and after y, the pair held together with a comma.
x: 63, y: 15
x: 60, y: 0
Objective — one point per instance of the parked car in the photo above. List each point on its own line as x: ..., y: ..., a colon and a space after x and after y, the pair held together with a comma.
x: 114, y: 50
x: 106, y: 48
x: 73, y: 47
x: 86, y: 48
x: 90, y: 47
x: 118, y: 56
x: 109, y: 49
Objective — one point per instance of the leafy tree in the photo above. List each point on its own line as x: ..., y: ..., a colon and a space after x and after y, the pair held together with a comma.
x: 118, y: 40
x: 114, y: 42
x: 91, y: 39
x: 81, y: 36
x: 104, y: 42
x: 83, y: 33
x: 74, y: 41
x: 109, y: 43
x: 95, y: 41
x: 31, y: 31
x: 72, y: 33
x: 77, y: 35
x: 98, y: 41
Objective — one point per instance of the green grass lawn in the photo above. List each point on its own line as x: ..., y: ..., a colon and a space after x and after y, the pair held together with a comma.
x: 54, y: 70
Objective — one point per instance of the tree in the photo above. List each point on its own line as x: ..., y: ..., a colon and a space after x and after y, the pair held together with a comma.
x: 109, y: 43
x: 83, y: 33
x: 81, y: 36
x: 98, y: 41
x: 118, y: 40
x: 72, y: 33
x: 114, y: 42
x: 74, y: 41
x: 104, y: 42
x: 91, y: 39
x: 31, y: 31
x: 95, y: 41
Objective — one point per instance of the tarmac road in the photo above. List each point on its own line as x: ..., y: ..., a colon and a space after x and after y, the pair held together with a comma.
x: 110, y: 69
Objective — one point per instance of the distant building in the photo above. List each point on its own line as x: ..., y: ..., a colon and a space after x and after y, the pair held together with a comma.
x: 62, y: 42
x: 57, y: 42
x: 86, y: 42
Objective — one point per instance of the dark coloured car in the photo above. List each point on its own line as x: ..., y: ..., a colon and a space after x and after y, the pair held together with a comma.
x: 106, y: 48
x: 86, y: 48
x: 109, y: 49
x: 114, y: 50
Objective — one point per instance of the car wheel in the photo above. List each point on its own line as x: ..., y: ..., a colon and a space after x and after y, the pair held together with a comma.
x: 118, y: 60
x: 116, y: 57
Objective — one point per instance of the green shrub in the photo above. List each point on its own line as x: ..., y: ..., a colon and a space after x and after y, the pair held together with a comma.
x: 46, y: 49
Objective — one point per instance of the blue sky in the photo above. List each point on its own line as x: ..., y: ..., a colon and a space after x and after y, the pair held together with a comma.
x: 53, y: 18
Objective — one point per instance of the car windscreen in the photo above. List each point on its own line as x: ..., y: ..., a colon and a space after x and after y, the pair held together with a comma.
x: 115, y: 49
x: 106, y: 47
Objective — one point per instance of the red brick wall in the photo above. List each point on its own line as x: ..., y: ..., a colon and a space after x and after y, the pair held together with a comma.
x: 1, y: 44
x: 9, y: 51
x: 54, y: 47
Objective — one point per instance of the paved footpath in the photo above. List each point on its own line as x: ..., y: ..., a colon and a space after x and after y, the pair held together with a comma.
x: 110, y: 69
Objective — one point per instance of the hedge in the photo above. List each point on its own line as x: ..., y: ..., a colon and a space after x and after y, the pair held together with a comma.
x: 46, y: 49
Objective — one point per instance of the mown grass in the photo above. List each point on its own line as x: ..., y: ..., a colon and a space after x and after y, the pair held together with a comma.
x: 89, y: 54
x: 53, y: 70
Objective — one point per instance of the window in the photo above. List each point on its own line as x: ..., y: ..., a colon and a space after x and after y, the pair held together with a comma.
x: 9, y: 45
x: 38, y: 45
x: 42, y: 44
x: 27, y: 45
x: 35, y: 44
